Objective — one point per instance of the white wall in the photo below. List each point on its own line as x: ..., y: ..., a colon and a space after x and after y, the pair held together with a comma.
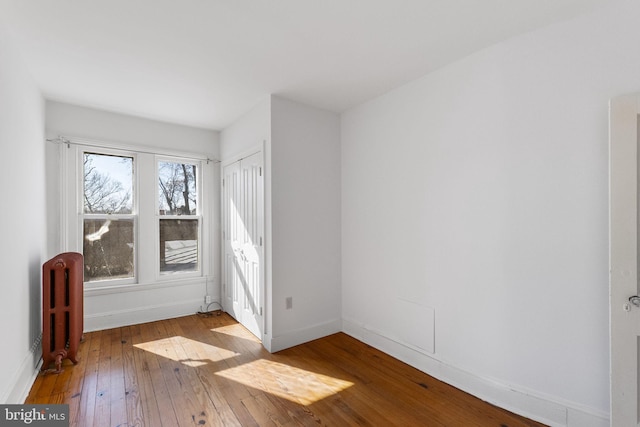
x: 251, y: 130
x: 302, y: 215
x: 305, y: 174
x: 24, y: 231
x: 150, y: 301
x: 481, y: 192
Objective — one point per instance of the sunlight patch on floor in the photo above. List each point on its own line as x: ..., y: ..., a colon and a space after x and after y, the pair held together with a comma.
x: 288, y: 382
x: 177, y: 347
x: 236, y: 330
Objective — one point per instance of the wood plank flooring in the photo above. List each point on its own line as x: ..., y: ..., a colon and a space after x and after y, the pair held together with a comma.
x: 210, y: 371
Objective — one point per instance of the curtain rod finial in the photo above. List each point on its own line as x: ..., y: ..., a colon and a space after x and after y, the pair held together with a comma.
x: 60, y: 140
x: 64, y: 140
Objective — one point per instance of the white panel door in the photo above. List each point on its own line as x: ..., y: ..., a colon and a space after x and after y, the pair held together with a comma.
x: 231, y: 217
x: 243, y: 242
x: 251, y: 243
x: 623, y: 233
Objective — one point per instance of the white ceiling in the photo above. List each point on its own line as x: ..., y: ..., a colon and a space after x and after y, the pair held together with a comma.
x: 206, y: 62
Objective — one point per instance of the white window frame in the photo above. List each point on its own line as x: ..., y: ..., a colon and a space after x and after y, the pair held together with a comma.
x: 133, y: 215
x: 198, y: 216
x: 147, y: 260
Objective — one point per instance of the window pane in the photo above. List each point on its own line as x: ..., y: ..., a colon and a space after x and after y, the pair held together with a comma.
x: 177, y: 188
x: 108, y: 184
x: 178, y: 245
x: 108, y: 249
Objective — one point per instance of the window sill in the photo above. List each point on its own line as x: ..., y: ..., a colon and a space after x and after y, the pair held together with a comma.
x: 93, y: 290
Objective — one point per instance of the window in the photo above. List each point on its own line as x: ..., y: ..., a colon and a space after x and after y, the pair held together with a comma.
x: 108, y: 222
x: 138, y: 217
x: 179, y: 222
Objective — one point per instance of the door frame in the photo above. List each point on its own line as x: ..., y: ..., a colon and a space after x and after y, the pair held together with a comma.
x: 223, y: 274
x: 623, y: 258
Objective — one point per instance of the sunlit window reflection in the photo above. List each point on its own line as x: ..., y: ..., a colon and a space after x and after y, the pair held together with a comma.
x: 166, y: 348
x: 288, y: 382
x: 237, y: 330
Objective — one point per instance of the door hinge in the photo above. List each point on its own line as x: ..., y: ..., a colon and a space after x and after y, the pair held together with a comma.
x: 260, y: 240
x: 223, y: 182
x: 260, y: 311
x: 260, y: 169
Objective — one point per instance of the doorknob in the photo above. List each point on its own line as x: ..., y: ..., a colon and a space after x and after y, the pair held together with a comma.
x: 635, y: 300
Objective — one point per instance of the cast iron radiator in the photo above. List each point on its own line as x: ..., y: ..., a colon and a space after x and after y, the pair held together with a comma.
x: 62, y: 310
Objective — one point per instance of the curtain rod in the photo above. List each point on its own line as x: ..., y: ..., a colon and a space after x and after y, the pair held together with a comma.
x: 99, y: 144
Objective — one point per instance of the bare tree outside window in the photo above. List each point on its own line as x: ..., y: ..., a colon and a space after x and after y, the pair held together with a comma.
x: 177, y: 188
x: 108, y: 228
x: 108, y: 183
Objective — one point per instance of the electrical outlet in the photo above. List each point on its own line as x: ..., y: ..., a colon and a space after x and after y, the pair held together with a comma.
x: 289, y: 303
x: 207, y: 299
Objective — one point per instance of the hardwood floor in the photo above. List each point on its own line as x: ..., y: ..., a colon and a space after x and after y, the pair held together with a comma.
x: 210, y: 371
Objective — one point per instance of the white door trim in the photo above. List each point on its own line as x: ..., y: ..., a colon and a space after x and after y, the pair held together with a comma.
x: 623, y: 256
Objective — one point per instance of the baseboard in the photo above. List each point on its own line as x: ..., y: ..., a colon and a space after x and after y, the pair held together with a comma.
x: 25, y: 375
x: 300, y: 336
x: 545, y: 409
x: 144, y: 314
